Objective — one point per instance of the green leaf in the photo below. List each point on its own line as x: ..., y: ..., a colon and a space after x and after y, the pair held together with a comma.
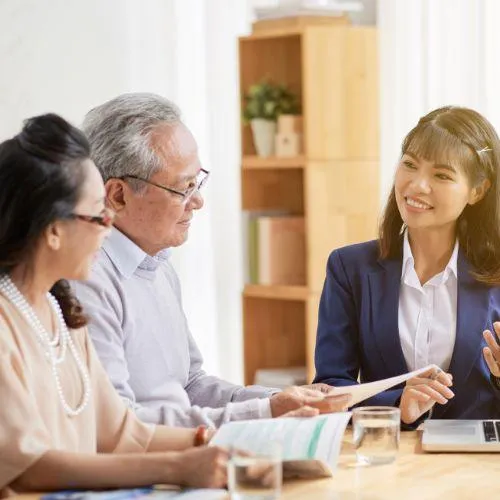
x: 268, y: 100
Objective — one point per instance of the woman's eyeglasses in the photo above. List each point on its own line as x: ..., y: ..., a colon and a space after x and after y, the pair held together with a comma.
x: 104, y: 219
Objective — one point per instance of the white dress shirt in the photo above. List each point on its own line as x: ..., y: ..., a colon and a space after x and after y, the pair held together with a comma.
x: 142, y: 337
x: 427, y: 314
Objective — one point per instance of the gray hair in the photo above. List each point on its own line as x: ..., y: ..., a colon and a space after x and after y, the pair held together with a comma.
x: 119, y: 132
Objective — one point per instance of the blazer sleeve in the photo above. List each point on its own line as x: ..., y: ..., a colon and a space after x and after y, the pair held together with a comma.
x: 337, y: 342
x: 337, y: 354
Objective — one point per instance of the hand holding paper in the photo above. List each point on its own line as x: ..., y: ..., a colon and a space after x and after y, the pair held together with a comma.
x: 360, y: 392
x: 293, y: 399
x: 423, y: 392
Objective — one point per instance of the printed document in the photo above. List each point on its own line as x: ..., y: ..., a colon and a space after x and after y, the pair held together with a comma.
x: 360, y: 392
x: 310, y: 446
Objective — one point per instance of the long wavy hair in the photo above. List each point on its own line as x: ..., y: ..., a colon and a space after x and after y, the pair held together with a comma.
x: 462, y: 137
x: 41, y: 175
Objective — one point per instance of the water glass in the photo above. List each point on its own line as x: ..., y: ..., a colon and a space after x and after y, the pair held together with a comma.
x: 255, y: 476
x: 376, y: 434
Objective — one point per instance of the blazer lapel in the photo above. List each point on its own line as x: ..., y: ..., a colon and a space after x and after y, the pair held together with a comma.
x: 472, y: 319
x: 384, y: 301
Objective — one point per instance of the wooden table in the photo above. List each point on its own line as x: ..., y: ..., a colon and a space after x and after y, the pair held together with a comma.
x: 414, y: 475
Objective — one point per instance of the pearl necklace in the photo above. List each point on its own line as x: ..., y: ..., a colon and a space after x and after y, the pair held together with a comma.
x: 49, y: 345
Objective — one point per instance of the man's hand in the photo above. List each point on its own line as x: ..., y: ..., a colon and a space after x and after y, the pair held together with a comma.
x: 294, y: 398
x: 324, y: 388
x: 492, y: 352
x: 303, y: 412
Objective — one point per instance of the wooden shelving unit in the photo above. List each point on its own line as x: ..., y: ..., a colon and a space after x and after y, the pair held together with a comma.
x: 333, y: 68
x: 253, y: 161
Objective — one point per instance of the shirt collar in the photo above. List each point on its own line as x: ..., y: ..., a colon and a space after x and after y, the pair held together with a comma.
x: 409, y: 262
x: 128, y: 257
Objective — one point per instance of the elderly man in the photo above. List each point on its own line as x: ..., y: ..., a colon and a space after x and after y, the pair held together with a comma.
x: 149, y: 161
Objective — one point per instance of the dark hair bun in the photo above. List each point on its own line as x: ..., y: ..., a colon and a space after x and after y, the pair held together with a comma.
x: 53, y: 139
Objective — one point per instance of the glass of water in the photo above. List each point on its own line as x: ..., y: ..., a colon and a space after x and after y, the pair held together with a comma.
x: 255, y: 476
x: 376, y: 434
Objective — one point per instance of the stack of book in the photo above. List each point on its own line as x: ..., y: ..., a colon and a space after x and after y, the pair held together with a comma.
x: 276, y: 250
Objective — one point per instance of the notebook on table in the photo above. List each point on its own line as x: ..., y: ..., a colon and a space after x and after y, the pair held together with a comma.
x: 461, y: 435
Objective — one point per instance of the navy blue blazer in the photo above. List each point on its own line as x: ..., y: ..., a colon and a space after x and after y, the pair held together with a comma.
x: 358, y: 331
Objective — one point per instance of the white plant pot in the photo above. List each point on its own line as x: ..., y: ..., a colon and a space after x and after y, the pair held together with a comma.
x: 263, y: 136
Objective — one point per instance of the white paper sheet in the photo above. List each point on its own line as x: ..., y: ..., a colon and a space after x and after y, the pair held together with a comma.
x: 360, y: 392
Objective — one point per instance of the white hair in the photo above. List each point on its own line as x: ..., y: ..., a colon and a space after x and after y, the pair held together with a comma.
x: 119, y: 132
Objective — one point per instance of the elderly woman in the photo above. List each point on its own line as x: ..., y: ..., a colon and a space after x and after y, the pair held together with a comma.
x: 61, y: 422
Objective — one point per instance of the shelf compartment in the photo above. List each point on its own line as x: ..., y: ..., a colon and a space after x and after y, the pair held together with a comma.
x: 278, y: 60
x: 274, y: 334
x: 273, y: 189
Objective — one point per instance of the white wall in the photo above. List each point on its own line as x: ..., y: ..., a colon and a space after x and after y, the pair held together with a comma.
x: 434, y: 53
x: 52, y: 61
x: 69, y: 55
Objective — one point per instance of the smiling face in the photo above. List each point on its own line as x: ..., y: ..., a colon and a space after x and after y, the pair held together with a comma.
x: 436, y: 178
x: 430, y: 194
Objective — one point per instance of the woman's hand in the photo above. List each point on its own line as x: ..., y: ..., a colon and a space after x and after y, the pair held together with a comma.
x: 203, y: 467
x: 423, y: 392
x: 492, y: 352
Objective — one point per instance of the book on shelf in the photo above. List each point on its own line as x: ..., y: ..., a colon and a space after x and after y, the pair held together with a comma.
x: 275, y: 247
x: 281, y: 250
x: 253, y: 250
x: 250, y: 225
x: 281, y: 377
x: 310, y: 446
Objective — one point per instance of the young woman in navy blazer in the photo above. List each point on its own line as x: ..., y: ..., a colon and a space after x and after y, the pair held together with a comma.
x: 427, y: 291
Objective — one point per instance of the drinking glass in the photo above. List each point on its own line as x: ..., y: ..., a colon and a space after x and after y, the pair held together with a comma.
x: 376, y: 432
x: 255, y: 476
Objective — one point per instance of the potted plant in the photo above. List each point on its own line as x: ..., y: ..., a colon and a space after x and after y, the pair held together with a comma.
x: 264, y: 102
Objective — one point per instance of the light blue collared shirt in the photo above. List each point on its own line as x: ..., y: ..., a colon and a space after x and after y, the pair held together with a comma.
x: 141, y: 335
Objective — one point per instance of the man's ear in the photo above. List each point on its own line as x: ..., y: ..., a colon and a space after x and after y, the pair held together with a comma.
x: 115, y: 194
x: 53, y: 235
x: 479, y: 192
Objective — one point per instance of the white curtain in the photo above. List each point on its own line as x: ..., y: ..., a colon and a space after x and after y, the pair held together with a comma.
x: 210, y: 263
x: 434, y: 53
x: 69, y: 55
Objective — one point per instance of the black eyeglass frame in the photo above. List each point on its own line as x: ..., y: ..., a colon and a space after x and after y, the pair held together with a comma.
x: 104, y: 220
x: 184, y: 196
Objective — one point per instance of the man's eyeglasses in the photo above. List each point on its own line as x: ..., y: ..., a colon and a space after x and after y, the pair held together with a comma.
x: 104, y: 219
x: 186, y: 195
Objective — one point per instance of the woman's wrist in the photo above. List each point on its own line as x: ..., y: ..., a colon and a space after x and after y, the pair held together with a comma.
x: 172, y: 468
